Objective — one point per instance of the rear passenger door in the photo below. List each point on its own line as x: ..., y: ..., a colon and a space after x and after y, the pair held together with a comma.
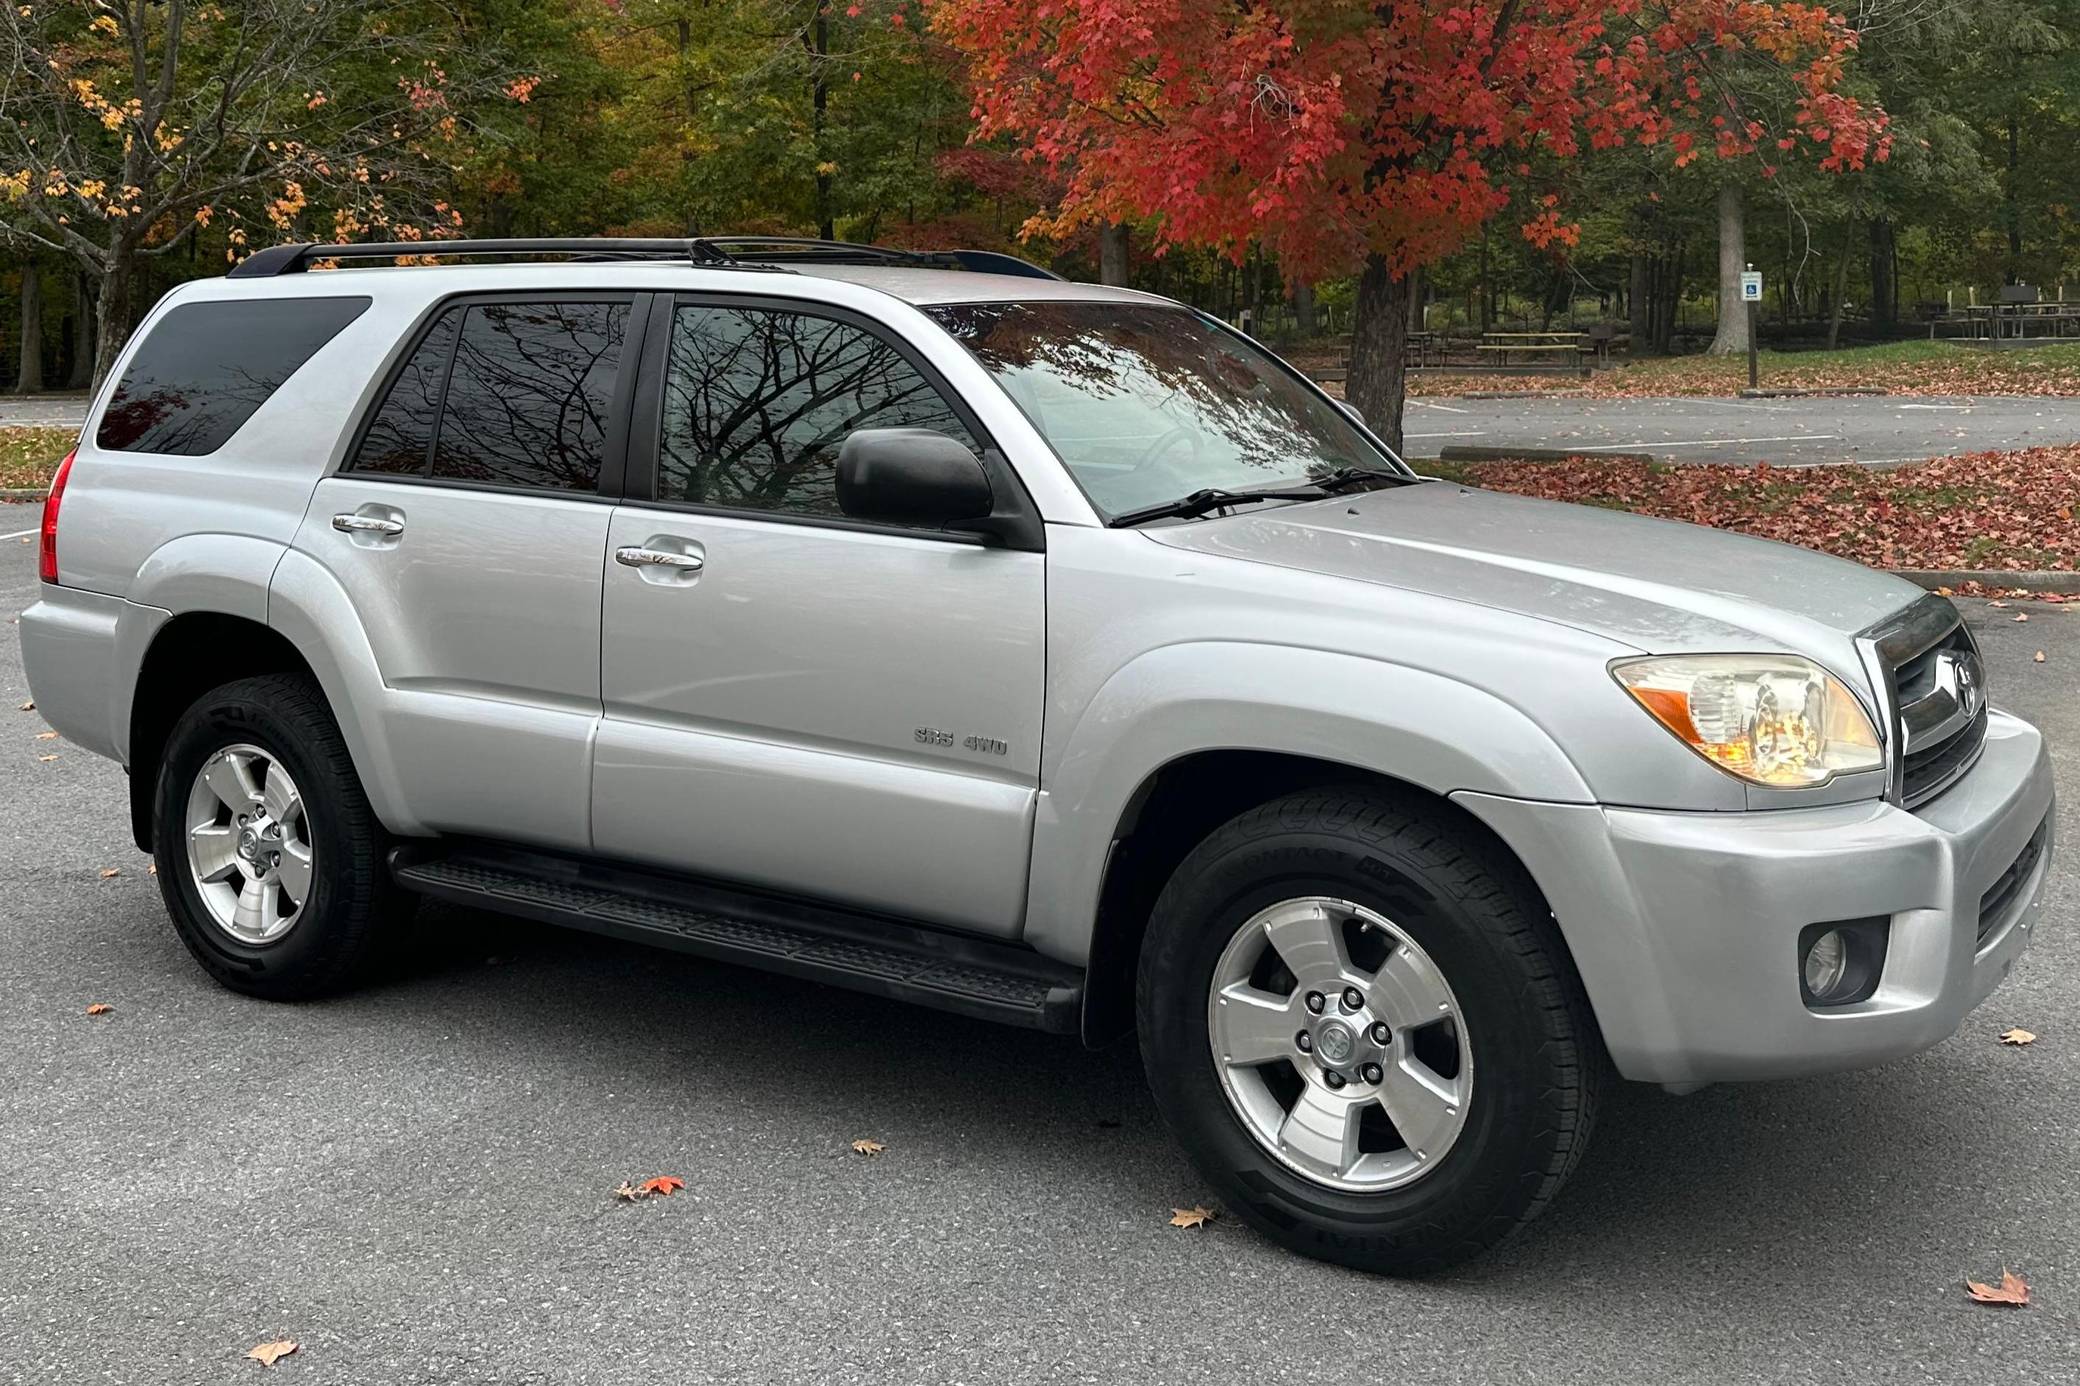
x: 794, y: 699
x: 467, y: 526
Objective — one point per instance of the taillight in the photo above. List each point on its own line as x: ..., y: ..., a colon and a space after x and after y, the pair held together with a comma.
x: 47, y: 552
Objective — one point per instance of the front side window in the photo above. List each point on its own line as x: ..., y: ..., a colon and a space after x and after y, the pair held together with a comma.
x: 1148, y: 403
x: 757, y: 402
x: 207, y: 366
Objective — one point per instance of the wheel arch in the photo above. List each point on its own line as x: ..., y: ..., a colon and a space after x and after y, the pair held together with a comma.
x: 1182, y: 802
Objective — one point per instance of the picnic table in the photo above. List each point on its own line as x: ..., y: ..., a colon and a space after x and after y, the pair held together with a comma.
x: 1565, y: 346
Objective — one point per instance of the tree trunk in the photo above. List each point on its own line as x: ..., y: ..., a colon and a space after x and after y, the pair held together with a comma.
x: 29, y: 377
x: 111, y: 316
x: 1487, y: 288
x: 819, y: 40
x: 1112, y: 253
x: 1639, y: 303
x: 1732, y: 339
x: 2014, y: 200
x: 1303, y: 309
x: 1379, y: 349
x: 1839, y: 292
x: 1882, y: 316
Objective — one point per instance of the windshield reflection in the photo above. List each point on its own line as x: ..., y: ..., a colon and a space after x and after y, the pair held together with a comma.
x: 1147, y: 403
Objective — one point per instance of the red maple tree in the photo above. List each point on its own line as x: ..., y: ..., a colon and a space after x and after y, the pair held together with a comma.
x: 1379, y: 136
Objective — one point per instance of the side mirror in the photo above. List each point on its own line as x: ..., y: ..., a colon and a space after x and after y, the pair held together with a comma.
x: 911, y: 476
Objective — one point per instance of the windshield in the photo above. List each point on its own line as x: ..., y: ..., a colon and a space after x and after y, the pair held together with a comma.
x: 1146, y: 403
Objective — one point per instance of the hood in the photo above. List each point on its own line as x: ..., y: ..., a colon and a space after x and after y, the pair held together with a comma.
x: 1659, y: 586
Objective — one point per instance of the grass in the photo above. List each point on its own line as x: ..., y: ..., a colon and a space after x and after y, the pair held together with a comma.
x: 28, y: 456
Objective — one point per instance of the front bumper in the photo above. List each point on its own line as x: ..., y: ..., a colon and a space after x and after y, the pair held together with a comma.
x: 1685, y: 925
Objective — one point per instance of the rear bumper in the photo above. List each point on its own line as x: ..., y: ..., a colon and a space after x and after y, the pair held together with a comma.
x: 1685, y: 926
x: 81, y: 651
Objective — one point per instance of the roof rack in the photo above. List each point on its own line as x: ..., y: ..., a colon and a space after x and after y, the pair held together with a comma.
x: 740, y: 252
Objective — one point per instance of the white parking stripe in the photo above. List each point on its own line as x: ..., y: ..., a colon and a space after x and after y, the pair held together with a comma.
x: 1463, y: 433
x: 1446, y: 407
x: 18, y: 534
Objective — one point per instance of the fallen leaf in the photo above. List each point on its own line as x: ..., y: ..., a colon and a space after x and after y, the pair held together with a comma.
x: 46, y: 759
x: 2013, y: 1290
x: 868, y: 1147
x: 1998, y: 603
x: 627, y: 1193
x: 267, y: 1354
x: 1944, y: 592
x: 2040, y: 656
x: 99, y: 1008
x: 2022, y: 615
x: 111, y: 872
x: 2017, y: 1037
x: 662, y: 1186
x: 29, y: 706
x: 151, y: 868
x: 47, y: 736
x: 1195, y: 1216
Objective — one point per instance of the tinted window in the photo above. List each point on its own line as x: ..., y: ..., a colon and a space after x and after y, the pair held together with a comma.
x: 529, y: 394
x: 207, y: 366
x: 400, y: 436
x: 757, y: 401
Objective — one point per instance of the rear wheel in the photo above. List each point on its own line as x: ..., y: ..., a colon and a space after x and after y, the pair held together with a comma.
x: 1361, y: 1025
x: 268, y: 855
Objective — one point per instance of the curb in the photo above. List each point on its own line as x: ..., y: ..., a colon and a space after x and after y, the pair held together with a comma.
x: 17, y: 493
x: 1511, y: 394
x: 1469, y: 454
x: 1801, y: 392
x: 2043, y: 580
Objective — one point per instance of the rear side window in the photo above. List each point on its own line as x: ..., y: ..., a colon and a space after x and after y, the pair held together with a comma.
x: 207, y: 366
x: 508, y: 394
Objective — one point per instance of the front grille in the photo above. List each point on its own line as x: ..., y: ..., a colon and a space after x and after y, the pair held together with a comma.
x: 1931, y: 770
x: 1938, y: 694
x: 1993, y: 905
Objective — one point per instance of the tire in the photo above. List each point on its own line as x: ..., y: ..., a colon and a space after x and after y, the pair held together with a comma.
x: 261, y: 730
x: 1406, y: 884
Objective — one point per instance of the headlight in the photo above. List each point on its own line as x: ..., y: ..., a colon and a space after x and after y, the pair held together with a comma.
x: 1769, y: 719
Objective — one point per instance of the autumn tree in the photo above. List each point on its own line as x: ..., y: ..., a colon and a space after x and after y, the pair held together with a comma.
x: 126, y: 126
x: 1378, y: 137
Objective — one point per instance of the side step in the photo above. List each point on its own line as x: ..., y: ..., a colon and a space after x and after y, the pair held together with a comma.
x: 953, y: 972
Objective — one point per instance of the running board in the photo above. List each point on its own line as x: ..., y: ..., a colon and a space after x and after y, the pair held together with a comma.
x: 952, y: 972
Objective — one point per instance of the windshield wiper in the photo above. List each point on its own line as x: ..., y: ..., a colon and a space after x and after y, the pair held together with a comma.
x: 1201, y: 501
x: 1343, y: 477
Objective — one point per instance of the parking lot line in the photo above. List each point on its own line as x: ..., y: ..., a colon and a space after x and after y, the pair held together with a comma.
x: 1710, y: 442
x: 18, y: 534
x: 1462, y: 433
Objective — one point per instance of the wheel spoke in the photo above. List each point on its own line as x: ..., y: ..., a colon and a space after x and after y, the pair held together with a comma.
x: 230, y: 778
x: 280, y: 795
x: 214, y: 850
x: 1408, y: 990
x: 1322, y: 1130
x: 295, y: 871
x: 257, y: 911
x: 1309, y: 939
x: 1251, y: 1026
x: 1424, y: 1108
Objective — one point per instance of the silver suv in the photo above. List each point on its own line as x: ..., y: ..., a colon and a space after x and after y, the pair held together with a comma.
x: 1044, y: 652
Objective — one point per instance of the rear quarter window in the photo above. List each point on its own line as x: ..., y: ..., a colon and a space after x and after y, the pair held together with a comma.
x: 206, y: 367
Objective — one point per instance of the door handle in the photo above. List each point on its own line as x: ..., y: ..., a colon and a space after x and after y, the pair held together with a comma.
x: 635, y: 556
x: 368, y: 524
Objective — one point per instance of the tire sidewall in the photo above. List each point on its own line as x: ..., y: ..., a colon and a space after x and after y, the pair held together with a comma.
x: 222, y: 719
x: 1482, y: 1177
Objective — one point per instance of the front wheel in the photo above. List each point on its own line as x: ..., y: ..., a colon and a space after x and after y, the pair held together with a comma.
x: 1359, y: 1021
x: 268, y: 855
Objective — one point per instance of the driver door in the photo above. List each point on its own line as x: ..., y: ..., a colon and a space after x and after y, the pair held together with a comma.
x: 795, y: 700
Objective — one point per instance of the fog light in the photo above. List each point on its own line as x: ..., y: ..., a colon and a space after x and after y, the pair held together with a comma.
x: 1826, y: 965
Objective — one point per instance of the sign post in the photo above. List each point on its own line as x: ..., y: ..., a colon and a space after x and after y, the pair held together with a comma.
x: 1751, y: 297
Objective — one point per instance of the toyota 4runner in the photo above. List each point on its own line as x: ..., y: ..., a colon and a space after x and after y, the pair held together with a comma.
x: 1044, y: 652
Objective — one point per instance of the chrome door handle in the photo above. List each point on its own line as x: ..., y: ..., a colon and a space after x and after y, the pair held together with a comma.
x: 367, y: 524
x: 635, y: 556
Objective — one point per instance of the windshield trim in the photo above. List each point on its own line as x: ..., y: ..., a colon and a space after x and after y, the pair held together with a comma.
x: 1390, y: 460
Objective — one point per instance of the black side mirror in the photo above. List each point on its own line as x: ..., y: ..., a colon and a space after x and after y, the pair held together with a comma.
x: 911, y: 476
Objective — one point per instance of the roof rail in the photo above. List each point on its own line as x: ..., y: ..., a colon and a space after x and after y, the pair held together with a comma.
x: 744, y: 252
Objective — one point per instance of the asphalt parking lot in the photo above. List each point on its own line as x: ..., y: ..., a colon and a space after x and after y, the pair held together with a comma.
x: 1877, y: 430
x: 414, y: 1182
